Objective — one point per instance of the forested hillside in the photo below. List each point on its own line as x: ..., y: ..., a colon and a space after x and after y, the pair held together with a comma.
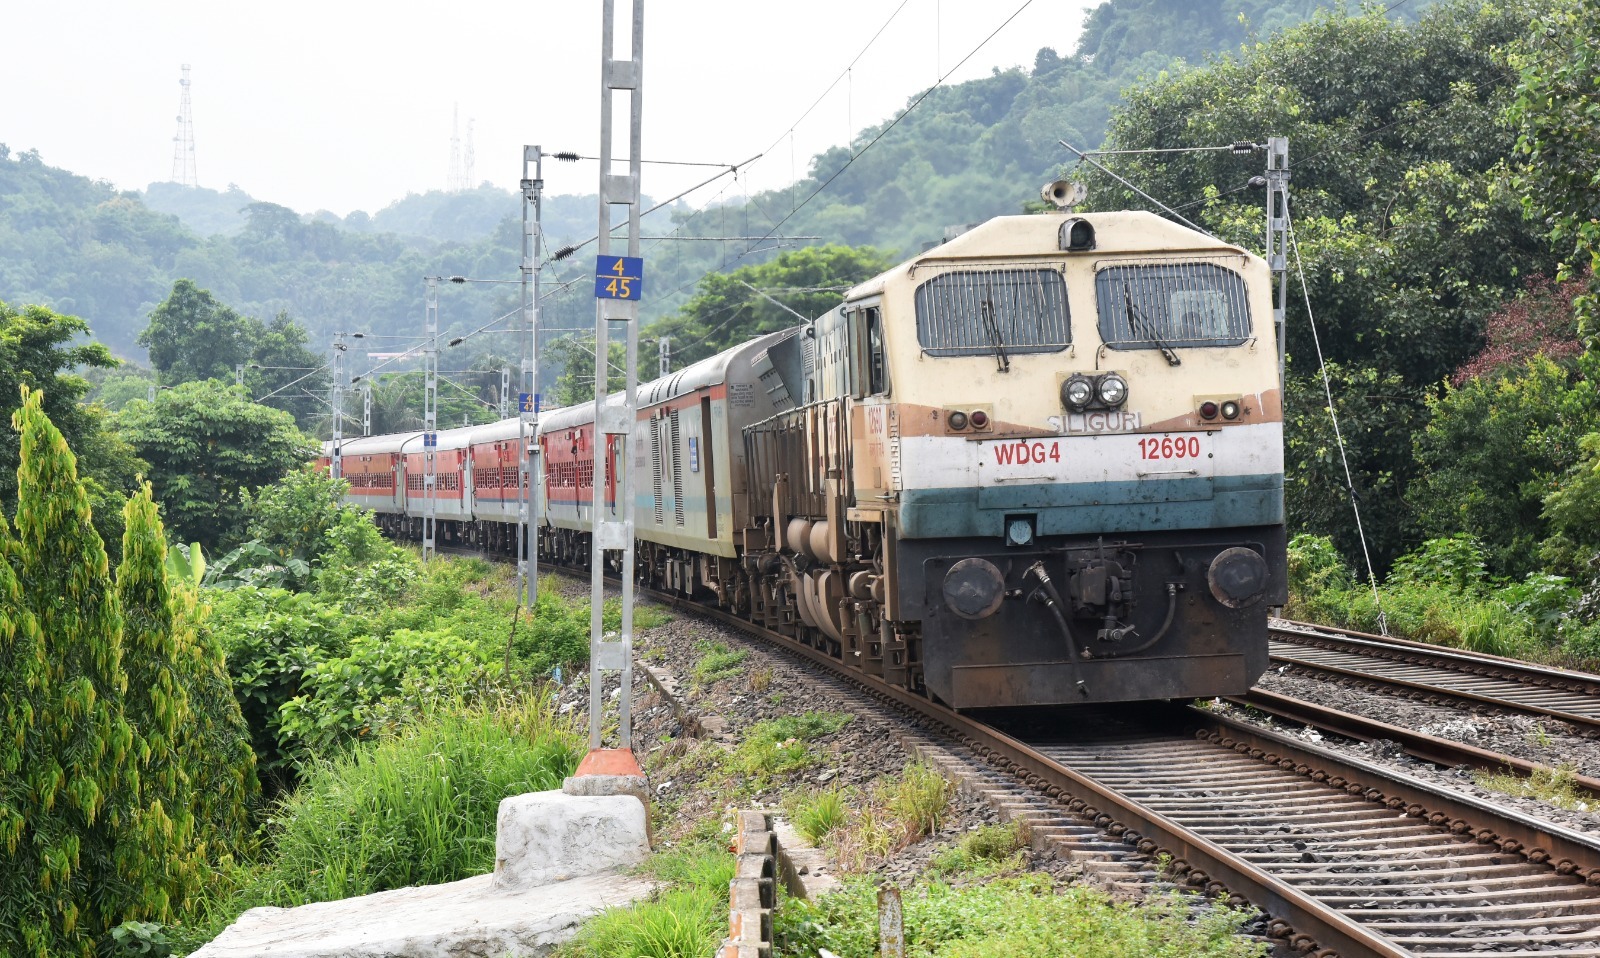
x: 968, y: 152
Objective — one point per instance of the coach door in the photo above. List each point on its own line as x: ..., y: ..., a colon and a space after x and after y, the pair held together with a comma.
x: 700, y: 458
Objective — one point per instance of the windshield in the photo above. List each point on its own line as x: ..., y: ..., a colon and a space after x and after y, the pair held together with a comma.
x: 1171, y: 305
x: 997, y: 313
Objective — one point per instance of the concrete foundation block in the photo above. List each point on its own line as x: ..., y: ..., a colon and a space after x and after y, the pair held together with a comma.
x: 554, y: 836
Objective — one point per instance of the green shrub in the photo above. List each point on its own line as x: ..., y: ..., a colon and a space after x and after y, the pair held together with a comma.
x: 338, y: 695
x: 271, y: 638
x: 818, y: 813
x: 417, y: 807
x: 293, y: 516
x: 1456, y: 562
x: 1001, y: 918
x: 989, y: 849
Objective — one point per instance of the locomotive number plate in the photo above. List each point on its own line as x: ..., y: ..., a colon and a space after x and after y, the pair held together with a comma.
x: 1122, y: 457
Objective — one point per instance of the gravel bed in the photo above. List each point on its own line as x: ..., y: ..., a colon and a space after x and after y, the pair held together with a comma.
x: 861, y: 753
x: 1541, y: 740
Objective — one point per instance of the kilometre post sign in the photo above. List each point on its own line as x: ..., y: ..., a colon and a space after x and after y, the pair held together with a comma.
x: 618, y: 277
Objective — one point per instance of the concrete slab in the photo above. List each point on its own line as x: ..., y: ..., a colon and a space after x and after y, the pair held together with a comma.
x: 559, y: 859
x: 553, y: 836
x: 471, y: 918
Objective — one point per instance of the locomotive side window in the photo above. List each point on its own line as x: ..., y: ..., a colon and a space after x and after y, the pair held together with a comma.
x: 869, y: 369
x: 1166, y: 305
x: 993, y: 311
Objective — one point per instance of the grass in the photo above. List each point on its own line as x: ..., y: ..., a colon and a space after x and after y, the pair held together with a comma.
x: 717, y: 662
x: 779, y: 746
x: 687, y: 918
x: 859, y: 828
x: 815, y: 814
x: 1024, y: 915
x: 412, y: 808
x: 987, y: 850
x: 919, y: 799
x: 760, y: 680
x: 1558, y: 785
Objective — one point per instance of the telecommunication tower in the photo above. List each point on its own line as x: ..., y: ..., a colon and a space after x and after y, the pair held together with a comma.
x: 183, y: 142
x: 456, y: 173
x: 469, y: 176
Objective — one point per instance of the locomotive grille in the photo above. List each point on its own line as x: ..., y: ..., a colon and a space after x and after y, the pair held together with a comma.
x: 655, y: 464
x: 970, y: 312
x: 1156, y: 305
x: 677, y: 470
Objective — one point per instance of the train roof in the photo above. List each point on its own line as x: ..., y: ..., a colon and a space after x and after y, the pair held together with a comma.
x: 370, y: 445
x: 1032, y: 236
x: 711, y: 371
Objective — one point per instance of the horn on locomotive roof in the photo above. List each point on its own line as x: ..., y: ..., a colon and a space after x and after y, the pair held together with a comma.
x: 1065, y: 194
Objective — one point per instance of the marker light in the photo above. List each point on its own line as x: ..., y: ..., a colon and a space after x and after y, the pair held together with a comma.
x: 1077, y: 392
x: 1113, y: 390
x: 1208, y: 410
x: 980, y: 419
x: 957, y: 420
x: 1230, y: 410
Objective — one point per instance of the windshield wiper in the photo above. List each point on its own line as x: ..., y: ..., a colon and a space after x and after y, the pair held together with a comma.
x: 1137, y: 317
x: 992, y: 328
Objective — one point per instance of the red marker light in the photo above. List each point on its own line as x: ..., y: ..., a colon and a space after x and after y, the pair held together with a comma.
x: 1208, y: 410
x: 979, y: 419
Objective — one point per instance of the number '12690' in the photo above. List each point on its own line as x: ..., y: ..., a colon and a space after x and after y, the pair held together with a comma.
x: 1170, y: 447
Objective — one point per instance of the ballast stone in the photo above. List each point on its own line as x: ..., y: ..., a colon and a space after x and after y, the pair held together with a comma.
x: 555, y: 836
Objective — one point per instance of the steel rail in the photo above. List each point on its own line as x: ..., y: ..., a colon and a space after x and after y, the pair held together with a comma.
x: 1567, y: 678
x: 1526, y: 688
x: 1431, y: 748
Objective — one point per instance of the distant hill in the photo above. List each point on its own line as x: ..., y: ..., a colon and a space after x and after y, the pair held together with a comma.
x: 968, y: 152
x: 204, y: 212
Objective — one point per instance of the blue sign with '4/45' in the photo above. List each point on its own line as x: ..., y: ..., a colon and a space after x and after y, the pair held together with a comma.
x: 618, y: 277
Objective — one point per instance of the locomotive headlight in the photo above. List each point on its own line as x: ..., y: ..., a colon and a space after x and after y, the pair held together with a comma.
x: 1113, y: 390
x: 1077, y: 392
x: 957, y: 420
x: 1230, y: 410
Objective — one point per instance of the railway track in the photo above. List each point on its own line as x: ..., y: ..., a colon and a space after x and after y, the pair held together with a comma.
x: 1346, y: 857
x: 1437, y: 675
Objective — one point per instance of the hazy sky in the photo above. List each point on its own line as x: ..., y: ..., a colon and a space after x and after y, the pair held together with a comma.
x: 346, y: 104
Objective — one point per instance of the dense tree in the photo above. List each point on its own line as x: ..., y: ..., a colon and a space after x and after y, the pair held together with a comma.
x: 194, y: 336
x: 197, y: 768
x: 1559, y: 125
x: 1493, y: 449
x: 157, y: 707
x: 204, y: 442
x: 1407, y: 246
x: 41, y: 349
x: 69, y: 790
x: 284, y: 371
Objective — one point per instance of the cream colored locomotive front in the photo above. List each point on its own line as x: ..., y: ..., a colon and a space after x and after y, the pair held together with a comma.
x: 1070, y: 430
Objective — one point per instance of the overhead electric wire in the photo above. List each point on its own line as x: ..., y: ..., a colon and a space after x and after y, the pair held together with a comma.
x: 893, y: 123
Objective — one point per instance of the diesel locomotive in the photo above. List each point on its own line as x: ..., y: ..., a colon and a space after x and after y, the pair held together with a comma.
x: 1039, y: 464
